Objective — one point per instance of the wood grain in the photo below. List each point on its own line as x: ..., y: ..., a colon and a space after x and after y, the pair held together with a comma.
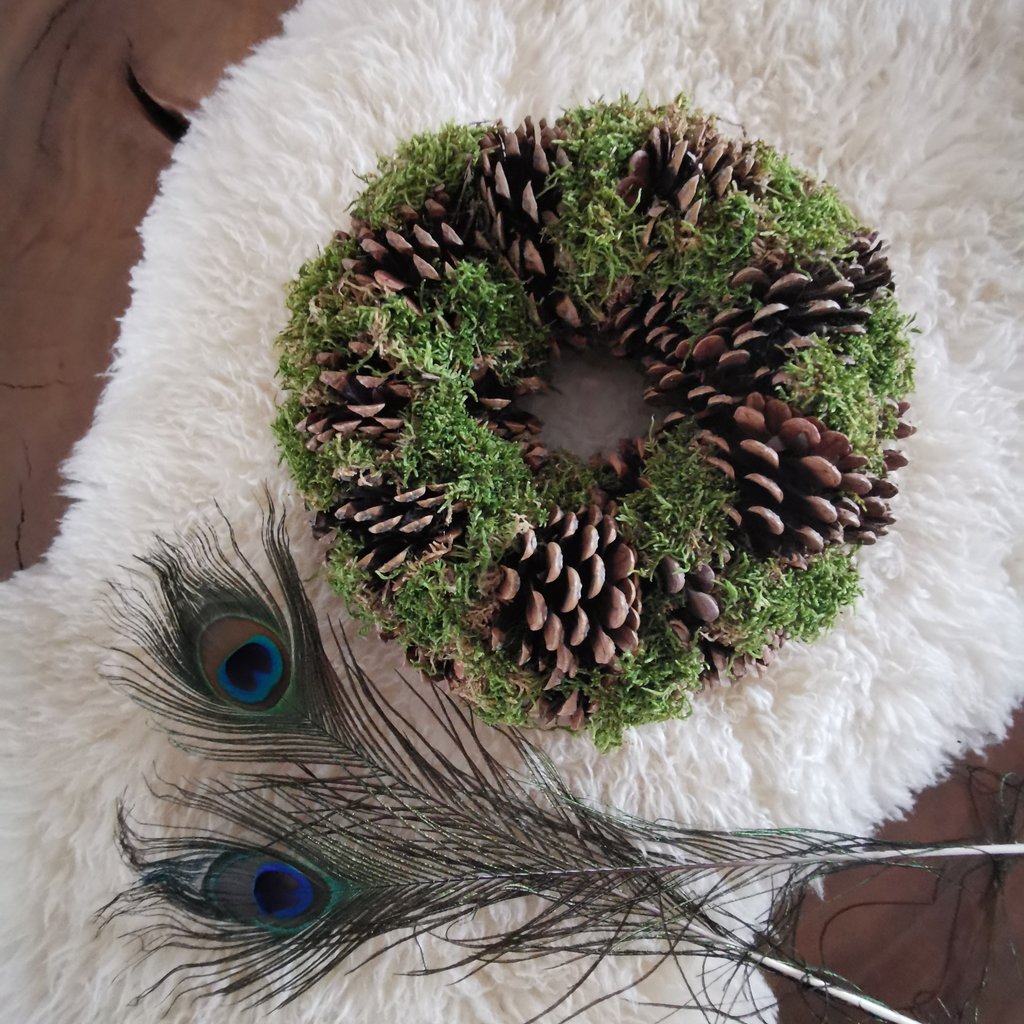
x: 78, y: 168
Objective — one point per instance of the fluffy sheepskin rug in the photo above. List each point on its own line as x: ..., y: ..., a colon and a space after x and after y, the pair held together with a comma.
x: 912, y: 109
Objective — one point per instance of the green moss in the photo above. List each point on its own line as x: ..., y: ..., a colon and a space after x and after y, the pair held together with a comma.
x: 312, y: 474
x: 478, y: 312
x: 808, y: 216
x: 762, y: 599
x: 839, y: 393
x: 502, y: 693
x: 600, y: 234
x: 432, y: 602
x: 313, y: 301
x: 564, y: 480
x: 348, y: 580
x: 419, y: 164
x: 701, y: 260
x: 682, y: 513
x: 442, y: 442
x: 655, y: 684
x: 884, y: 350
x: 852, y: 390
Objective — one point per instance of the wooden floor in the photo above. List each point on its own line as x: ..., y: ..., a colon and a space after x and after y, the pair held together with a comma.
x: 93, y: 95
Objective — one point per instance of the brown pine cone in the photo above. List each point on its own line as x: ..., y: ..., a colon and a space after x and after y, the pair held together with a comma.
x: 494, y: 404
x: 628, y: 466
x: 396, y: 526
x: 367, y: 402
x: 725, y: 666
x: 669, y: 169
x: 520, y: 204
x: 650, y: 327
x: 566, y: 710
x: 569, y: 590
x: 746, y: 346
x: 800, y: 487
x: 695, y: 591
x: 425, y: 248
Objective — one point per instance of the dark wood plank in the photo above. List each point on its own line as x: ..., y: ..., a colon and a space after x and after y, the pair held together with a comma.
x: 78, y: 168
x: 937, y: 949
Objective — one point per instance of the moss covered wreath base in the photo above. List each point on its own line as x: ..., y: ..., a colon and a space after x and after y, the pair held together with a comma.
x: 541, y: 588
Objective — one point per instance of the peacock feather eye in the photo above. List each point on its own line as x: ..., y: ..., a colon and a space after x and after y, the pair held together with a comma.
x: 262, y: 890
x: 282, y: 892
x: 244, y: 662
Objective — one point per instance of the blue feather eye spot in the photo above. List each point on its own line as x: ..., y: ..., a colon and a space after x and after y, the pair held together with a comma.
x: 255, y: 889
x: 282, y: 892
x: 251, y: 671
x: 244, y: 663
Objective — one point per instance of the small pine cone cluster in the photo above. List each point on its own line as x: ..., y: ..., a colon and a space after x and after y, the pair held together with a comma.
x: 627, y: 463
x: 725, y: 665
x: 799, y: 486
x: 369, y: 403
x: 669, y: 168
x: 425, y: 248
x: 694, y: 590
x: 692, y: 621
x: 395, y: 526
x: 569, y: 593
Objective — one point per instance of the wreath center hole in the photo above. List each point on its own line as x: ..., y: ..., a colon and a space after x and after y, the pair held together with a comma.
x: 595, y: 400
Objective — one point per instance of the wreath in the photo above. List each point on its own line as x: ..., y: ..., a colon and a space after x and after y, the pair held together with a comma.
x: 542, y: 588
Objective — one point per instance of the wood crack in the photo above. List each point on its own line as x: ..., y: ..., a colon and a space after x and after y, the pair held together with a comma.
x: 172, y: 124
x: 47, y: 29
x: 19, y: 528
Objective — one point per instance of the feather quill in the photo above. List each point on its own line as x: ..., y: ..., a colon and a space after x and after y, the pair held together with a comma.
x: 376, y: 824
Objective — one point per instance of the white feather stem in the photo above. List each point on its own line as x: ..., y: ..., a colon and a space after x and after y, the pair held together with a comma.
x: 864, y: 856
x: 802, y: 975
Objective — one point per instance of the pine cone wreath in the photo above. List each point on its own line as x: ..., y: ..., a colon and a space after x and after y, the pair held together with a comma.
x: 762, y: 315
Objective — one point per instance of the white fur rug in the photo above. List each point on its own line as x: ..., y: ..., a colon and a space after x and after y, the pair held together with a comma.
x: 913, y: 109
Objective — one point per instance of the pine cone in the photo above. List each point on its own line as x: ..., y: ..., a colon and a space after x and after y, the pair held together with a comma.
x: 698, y: 605
x: 568, y: 710
x: 397, y: 526
x: 726, y: 161
x: 425, y: 248
x: 628, y: 466
x: 725, y: 666
x: 669, y: 169
x: 800, y: 487
x: 494, y: 404
x: 571, y: 586
x: 650, y: 327
x: 746, y: 346
x: 363, y: 402
x: 520, y: 204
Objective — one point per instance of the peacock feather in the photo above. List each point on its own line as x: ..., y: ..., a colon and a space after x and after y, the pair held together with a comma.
x: 364, y: 821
